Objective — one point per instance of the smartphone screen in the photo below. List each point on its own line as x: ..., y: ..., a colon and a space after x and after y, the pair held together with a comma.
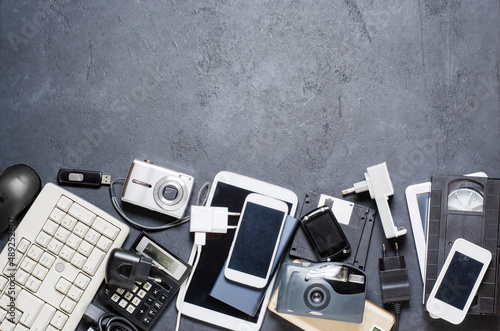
x: 258, y: 233
x: 459, y: 280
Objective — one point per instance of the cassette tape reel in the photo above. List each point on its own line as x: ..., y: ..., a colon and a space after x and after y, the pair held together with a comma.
x: 468, y: 208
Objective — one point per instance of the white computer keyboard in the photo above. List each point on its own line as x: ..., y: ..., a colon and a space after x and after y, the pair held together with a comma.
x: 53, y: 266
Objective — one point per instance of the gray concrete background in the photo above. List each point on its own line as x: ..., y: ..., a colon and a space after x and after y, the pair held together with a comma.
x: 301, y: 94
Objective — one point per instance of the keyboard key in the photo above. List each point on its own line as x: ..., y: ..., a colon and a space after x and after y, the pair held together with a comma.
x: 43, y: 318
x: 82, y: 214
x: 123, y: 303
x: 92, y: 236
x: 50, y: 227
x: 43, y: 239
x: 78, y: 260
x: 47, y: 260
x: 64, y: 203
x: 82, y: 281
x: 136, y: 301
x: 57, y: 215
x: 128, y: 296
x: 85, y: 248
x: 130, y: 309
x: 55, y: 246
x: 59, y: 320
x: 23, y: 245
x: 35, y: 253
x: 62, y: 234
x: 31, y: 307
x: 104, y: 244
x: 13, y: 291
x: 28, y: 265
x: 22, y: 276
x: 8, y: 270
x: 63, y: 285
x: 3, y: 282
x: 7, y: 325
x: 115, y: 297
x: 80, y: 229
x: 68, y: 305
x: 3, y: 314
x: 73, y: 241
x: 105, y: 228
x: 67, y: 253
x: 94, y: 261
x: 40, y: 271
x: 75, y: 293
x: 4, y: 301
x: 69, y: 222
x: 33, y: 284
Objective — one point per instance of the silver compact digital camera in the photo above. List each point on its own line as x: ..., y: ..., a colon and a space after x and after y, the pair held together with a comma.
x: 157, y: 188
x: 327, y: 290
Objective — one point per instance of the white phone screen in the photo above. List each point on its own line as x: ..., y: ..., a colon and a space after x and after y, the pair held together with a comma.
x: 258, y: 233
x: 459, y: 280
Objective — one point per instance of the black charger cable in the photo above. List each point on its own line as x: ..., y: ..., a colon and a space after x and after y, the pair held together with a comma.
x: 394, y: 282
x: 106, y: 321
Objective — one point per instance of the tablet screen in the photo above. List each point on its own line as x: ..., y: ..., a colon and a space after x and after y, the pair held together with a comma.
x: 214, y: 255
x: 423, y: 200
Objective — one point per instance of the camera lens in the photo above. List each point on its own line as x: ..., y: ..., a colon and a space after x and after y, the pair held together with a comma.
x: 317, y: 297
x: 170, y: 192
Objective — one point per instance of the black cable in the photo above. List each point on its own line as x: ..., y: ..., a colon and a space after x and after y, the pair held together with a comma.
x: 397, y: 311
x: 114, y: 322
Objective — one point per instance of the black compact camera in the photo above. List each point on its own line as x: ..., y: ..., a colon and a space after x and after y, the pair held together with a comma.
x: 329, y: 290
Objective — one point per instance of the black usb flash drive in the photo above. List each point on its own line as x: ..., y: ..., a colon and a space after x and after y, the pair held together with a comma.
x: 87, y: 178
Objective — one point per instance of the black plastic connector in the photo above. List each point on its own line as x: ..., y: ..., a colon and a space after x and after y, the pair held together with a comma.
x: 92, y: 314
x: 394, y: 281
x: 125, y: 267
x: 394, y: 278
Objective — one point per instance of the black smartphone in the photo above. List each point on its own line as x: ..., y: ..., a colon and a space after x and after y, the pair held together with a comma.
x: 325, y: 235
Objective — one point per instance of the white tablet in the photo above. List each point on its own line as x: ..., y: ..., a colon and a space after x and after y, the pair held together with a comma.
x: 228, y: 190
x: 418, y: 199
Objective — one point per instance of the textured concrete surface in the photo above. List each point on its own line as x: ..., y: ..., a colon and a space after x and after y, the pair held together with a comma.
x: 298, y: 93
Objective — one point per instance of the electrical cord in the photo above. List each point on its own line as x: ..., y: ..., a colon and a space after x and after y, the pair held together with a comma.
x: 195, y: 264
x: 106, y: 321
x: 397, y: 311
x: 138, y: 226
x: 114, y: 323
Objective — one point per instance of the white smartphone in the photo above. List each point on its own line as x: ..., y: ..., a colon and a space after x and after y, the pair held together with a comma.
x: 256, y: 240
x: 458, y: 281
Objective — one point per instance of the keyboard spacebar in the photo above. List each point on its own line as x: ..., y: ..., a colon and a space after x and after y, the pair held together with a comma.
x: 30, y: 305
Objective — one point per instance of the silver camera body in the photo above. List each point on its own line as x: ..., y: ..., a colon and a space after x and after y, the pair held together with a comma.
x: 157, y: 188
x: 329, y: 290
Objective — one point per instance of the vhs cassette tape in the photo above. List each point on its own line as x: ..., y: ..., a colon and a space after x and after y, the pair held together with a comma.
x: 355, y: 220
x: 469, y: 208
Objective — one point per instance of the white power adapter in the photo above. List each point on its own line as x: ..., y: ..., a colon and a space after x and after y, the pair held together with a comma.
x: 208, y: 219
x: 378, y: 183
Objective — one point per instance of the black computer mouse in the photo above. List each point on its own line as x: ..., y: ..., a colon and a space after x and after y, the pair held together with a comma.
x: 19, y: 186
